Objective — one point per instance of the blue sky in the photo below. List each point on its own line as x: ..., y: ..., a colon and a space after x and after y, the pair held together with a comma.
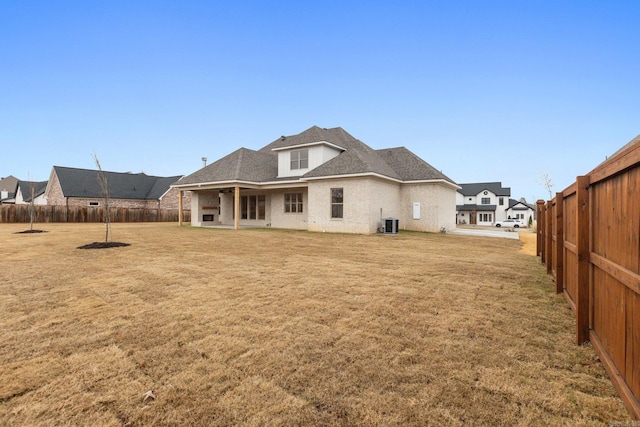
x: 484, y: 91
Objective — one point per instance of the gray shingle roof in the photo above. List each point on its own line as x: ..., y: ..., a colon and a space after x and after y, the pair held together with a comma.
x: 337, y: 136
x: 10, y: 185
x: 409, y: 166
x: 476, y: 188
x: 241, y: 165
x: 523, y: 205
x: 356, y: 158
x: 475, y: 207
x: 25, y: 188
x: 85, y: 183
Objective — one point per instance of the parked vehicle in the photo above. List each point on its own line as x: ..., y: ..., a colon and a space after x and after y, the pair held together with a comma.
x: 514, y: 223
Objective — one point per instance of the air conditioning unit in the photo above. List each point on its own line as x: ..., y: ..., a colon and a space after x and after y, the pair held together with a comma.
x: 390, y: 225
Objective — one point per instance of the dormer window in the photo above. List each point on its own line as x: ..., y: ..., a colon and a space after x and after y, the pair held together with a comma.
x: 300, y: 159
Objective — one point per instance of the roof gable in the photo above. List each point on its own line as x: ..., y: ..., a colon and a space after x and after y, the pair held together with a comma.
x: 519, y: 204
x: 336, y: 136
x: 85, y: 183
x: 24, y: 187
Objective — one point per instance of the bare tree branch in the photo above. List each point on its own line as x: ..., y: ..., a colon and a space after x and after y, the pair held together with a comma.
x: 547, y: 184
x: 104, y: 186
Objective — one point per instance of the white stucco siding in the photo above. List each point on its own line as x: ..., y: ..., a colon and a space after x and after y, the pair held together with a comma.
x: 318, y: 154
x: 437, y: 207
x: 289, y: 220
x: 363, y: 199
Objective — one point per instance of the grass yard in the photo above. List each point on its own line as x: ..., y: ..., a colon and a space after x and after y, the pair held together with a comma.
x: 283, y: 328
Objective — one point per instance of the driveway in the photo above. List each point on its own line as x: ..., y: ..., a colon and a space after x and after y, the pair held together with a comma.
x: 505, y: 233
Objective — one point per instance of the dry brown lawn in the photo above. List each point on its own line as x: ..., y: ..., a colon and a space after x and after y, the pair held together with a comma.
x: 283, y: 328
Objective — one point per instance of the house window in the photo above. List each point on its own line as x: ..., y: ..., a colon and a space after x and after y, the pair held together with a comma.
x: 94, y: 203
x: 336, y: 202
x: 262, y: 203
x: 299, y: 159
x: 486, y: 200
x: 501, y: 201
x: 486, y: 217
x: 252, y: 207
x: 293, y: 202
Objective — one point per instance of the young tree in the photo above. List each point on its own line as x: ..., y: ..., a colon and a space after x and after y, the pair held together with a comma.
x: 547, y: 184
x: 104, y: 186
x: 32, y: 205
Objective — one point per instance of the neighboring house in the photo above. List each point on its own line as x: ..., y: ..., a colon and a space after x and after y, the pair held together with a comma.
x: 8, y: 187
x: 484, y: 203
x: 81, y: 187
x: 321, y: 180
x: 31, y: 190
x: 522, y: 210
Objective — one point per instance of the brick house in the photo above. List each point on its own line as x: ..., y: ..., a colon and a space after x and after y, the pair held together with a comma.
x: 81, y: 187
x: 321, y: 180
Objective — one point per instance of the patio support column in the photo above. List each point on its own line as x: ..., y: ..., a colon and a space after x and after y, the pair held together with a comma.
x: 180, y: 208
x: 236, y: 204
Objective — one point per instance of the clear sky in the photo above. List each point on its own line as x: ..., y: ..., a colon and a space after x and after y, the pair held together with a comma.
x: 482, y: 90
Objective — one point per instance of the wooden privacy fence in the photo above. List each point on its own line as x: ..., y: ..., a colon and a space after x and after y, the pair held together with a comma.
x: 589, y: 240
x: 22, y: 214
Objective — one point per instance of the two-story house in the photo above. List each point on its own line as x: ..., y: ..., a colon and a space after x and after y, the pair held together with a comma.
x: 321, y: 180
x: 482, y: 203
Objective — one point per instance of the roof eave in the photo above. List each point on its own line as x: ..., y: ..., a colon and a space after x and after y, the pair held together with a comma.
x: 232, y: 183
x: 354, y: 175
x: 434, y: 181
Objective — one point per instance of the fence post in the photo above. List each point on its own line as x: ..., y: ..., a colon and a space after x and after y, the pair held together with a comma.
x: 548, y: 236
x: 583, y: 247
x: 559, y: 248
x: 540, y: 226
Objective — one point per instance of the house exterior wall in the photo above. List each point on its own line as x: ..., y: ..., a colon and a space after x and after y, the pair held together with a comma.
x: 53, y: 192
x: 289, y: 220
x: 363, y: 199
x: 39, y: 200
x: 318, y: 154
x: 437, y: 207
x: 170, y: 199
x: 367, y: 200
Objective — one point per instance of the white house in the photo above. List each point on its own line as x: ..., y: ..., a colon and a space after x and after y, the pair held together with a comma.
x: 321, y: 180
x: 27, y: 191
x: 522, y: 210
x: 484, y: 203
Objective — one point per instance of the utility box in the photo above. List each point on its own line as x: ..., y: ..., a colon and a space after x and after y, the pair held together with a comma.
x: 390, y: 225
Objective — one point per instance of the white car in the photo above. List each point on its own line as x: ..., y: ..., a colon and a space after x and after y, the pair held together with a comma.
x: 515, y: 223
